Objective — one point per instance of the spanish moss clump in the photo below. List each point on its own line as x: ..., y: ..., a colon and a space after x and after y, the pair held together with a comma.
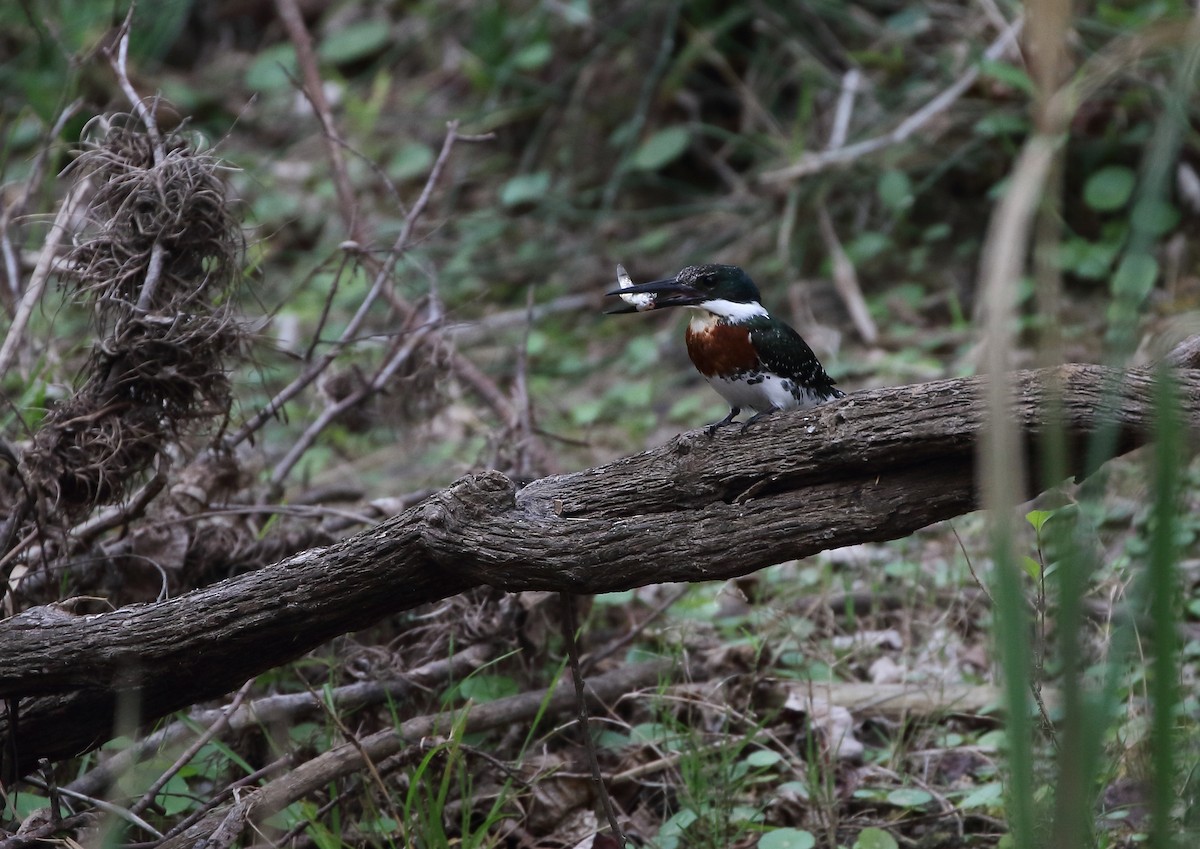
x: 158, y: 267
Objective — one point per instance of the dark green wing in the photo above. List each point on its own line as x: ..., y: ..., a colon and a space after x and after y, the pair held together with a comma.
x: 784, y: 352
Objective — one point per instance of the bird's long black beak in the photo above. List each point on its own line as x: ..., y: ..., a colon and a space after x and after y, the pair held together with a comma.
x: 667, y: 293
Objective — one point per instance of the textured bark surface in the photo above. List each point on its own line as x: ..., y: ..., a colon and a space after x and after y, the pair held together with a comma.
x: 876, y: 465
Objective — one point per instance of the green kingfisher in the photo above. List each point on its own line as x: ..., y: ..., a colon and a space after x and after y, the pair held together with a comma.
x: 753, y: 360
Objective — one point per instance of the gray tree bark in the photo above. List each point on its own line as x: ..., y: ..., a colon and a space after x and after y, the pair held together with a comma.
x: 874, y: 466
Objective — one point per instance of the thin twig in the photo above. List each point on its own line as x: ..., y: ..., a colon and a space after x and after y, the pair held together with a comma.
x: 523, y: 468
x: 190, y: 752
x: 12, y: 214
x: 120, y: 65
x: 347, y: 249
x: 589, y: 662
x: 306, y: 822
x: 12, y: 266
x: 314, y: 90
x: 287, y: 708
x: 41, y: 273
x: 343, y: 760
x: 101, y: 805
x: 351, y: 331
x: 217, y: 798
x: 570, y: 635
x: 368, y: 761
x: 812, y: 163
x: 845, y: 278
x: 484, y: 329
x: 153, y: 274
x: 851, y: 80
x: 335, y: 409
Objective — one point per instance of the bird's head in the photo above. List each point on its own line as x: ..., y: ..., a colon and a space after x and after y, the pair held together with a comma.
x: 725, y: 290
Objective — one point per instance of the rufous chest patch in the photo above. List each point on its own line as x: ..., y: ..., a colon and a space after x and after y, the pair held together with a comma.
x: 717, y: 348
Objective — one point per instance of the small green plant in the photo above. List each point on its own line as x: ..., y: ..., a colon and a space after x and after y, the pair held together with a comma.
x: 441, y: 777
x: 721, y: 775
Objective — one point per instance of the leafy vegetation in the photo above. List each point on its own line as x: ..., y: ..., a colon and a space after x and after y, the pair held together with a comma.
x: 1059, y: 654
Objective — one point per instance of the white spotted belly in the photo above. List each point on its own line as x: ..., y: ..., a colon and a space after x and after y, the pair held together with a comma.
x: 765, y: 392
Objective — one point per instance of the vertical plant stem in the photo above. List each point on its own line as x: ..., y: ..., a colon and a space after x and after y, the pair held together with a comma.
x: 1160, y: 583
x: 1000, y: 271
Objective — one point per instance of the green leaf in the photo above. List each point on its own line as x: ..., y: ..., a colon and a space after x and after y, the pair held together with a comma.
x: 1010, y: 75
x: 609, y: 739
x: 1090, y: 260
x: 410, y: 160
x: 867, y: 246
x: 763, y: 758
x: 895, y: 190
x: 354, y: 42
x: 26, y: 803
x: 587, y: 412
x: 662, y: 148
x: 1032, y: 568
x: 688, y: 408
x: 620, y: 598
x: 651, y: 732
x: 1037, y: 518
x: 273, y: 69
x: 787, y: 838
x: 534, y: 56
x: 909, y: 22
x: 874, y: 838
x: 488, y: 688
x: 1001, y: 124
x: 641, y: 354
x: 175, y: 796
x: 797, y: 787
x: 985, y: 794
x: 1109, y: 188
x: 678, y: 824
x: 935, y: 233
x: 909, y: 797
x: 525, y: 188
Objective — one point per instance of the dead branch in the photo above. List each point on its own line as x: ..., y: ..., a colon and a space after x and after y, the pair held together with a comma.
x: 874, y: 466
x: 287, y: 708
x: 351, y: 757
x: 813, y: 163
x: 314, y: 89
x: 382, y: 276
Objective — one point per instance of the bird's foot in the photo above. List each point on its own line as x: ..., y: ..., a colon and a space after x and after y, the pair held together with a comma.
x: 712, y: 428
x: 756, y: 417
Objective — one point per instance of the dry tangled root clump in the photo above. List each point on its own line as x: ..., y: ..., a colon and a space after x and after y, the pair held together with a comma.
x: 158, y: 265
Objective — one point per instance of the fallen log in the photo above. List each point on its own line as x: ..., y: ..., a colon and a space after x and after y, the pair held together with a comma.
x: 876, y: 465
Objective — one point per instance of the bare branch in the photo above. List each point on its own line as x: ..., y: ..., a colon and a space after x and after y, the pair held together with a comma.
x: 41, y: 273
x: 335, y: 408
x: 845, y: 278
x: 813, y: 163
x: 351, y: 757
x: 120, y: 65
x: 352, y: 328
x: 180, y: 762
x: 314, y: 90
x: 287, y: 708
